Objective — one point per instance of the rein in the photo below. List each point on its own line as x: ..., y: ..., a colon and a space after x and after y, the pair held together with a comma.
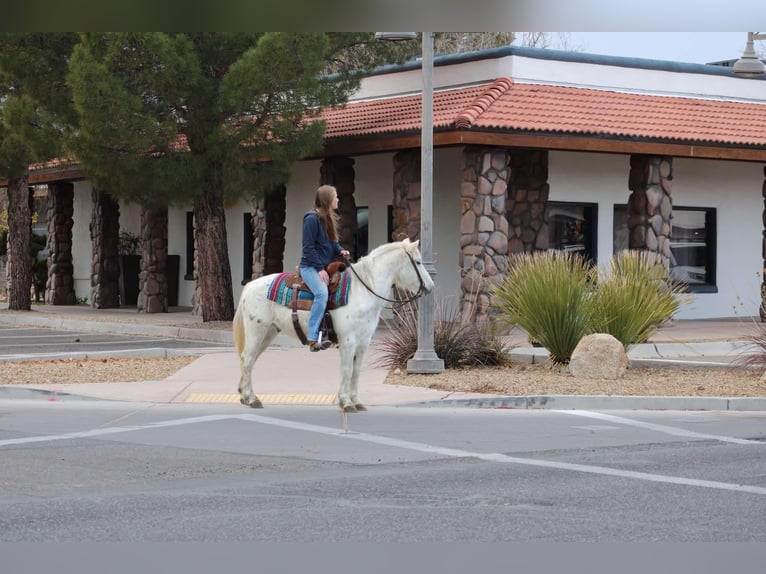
x: 421, y: 289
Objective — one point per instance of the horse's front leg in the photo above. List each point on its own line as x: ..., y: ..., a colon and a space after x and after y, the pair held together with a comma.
x: 347, y: 359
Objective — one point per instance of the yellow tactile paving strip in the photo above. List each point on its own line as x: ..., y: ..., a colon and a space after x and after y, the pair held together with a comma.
x: 266, y: 399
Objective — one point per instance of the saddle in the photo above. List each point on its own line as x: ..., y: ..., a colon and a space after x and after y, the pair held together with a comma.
x: 295, y: 281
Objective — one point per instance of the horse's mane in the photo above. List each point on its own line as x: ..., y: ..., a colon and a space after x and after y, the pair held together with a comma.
x: 364, y: 265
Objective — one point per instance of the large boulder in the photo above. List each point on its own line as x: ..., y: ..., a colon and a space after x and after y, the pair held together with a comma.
x: 599, y: 356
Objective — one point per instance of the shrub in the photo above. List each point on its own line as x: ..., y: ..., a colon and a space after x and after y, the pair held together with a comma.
x: 557, y: 299
x: 544, y: 294
x: 634, y: 295
x: 459, y: 341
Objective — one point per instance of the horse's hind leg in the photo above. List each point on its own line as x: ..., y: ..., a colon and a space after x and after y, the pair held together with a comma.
x: 257, y: 340
x: 354, y: 390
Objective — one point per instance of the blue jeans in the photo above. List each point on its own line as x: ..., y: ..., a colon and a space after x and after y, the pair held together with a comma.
x: 319, y: 289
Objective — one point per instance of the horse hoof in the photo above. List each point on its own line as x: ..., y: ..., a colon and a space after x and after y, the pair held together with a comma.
x: 349, y: 409
x: 360, y: 407
x: 254, y: 403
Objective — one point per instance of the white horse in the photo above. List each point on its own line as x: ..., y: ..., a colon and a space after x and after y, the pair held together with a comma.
x: 258, y: 320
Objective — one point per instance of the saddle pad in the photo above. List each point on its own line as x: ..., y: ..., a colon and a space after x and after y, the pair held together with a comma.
x: 282, y: 293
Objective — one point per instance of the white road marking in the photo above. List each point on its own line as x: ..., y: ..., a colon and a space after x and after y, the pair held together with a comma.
x: 674, y: 431
x: 597, y: 428
x: 398, y: 443
x: 112, y: 430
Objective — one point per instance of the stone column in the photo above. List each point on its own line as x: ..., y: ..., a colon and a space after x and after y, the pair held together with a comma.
x: 105, y: 268
x: 762, y: 310
x: 406, y: 200
x: 197, y: 295
x: 650, y: 205
x: 276, y: 214
x: 268, y: 229
x: 503, y: 195
x: 60, y: 287
x: 339, y: 172
x: 153, y: 283
x: 528, y: 192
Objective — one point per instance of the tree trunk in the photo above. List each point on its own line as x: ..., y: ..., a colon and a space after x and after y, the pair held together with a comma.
x: 216, y: 292
x: 19, y: 267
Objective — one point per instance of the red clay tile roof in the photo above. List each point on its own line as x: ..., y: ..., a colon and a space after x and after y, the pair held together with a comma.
x: 508, y: 106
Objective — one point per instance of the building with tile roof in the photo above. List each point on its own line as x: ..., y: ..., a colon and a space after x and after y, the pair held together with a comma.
x: 533, y: 149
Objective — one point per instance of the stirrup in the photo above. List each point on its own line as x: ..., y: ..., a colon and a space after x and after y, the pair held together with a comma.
x: 315, y: 347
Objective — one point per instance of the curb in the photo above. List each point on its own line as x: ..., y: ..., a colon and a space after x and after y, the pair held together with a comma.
x: 151, y: 353
x: 603, y: 402
x: 123, y: 328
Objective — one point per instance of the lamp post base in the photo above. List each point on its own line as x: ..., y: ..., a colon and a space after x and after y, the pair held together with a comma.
x: 425, y: 362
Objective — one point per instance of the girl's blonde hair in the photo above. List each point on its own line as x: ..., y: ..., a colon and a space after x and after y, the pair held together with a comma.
x: 323, y: 205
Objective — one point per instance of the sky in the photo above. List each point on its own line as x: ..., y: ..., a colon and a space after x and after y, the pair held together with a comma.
x: 693, y: 47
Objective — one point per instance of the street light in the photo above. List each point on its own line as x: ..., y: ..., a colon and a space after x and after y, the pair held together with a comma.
x: 749, y: 65
x: 425, y: 359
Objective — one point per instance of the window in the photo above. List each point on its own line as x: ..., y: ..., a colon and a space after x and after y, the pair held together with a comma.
x: 572, y: 227
x: 692, y: 245
x: 189, y: 275
x: 247, y: 257
x: 361, y: 240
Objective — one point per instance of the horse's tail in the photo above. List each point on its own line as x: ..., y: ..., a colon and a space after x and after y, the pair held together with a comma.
x: 238, y: 326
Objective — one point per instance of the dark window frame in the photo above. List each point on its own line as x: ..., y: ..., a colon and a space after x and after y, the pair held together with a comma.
x: 711, y: 246
x: 189, y: 274
x: 247, y: 251
x: 590, y: 218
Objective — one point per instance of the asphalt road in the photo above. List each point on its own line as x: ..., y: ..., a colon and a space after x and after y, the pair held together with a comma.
x: 97, y: 471
x: 29, y: 343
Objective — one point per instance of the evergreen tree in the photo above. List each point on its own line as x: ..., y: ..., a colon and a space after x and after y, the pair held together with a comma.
x: 201, y: 118
x: 35, y: 114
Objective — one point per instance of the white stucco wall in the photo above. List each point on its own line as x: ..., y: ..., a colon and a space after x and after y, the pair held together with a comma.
x: 732, y: 188
x: 82, y: 250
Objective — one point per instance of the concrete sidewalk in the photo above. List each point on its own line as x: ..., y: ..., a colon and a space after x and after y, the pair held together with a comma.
x: 288, y: 374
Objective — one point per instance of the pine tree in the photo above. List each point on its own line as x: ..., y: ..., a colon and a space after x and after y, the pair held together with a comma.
x: 35, y: 115
x: 201, y: 118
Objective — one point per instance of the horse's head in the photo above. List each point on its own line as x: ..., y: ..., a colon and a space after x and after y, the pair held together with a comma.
x: 411, y: 275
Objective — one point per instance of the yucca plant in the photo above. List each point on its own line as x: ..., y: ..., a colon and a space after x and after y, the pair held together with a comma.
x: 544, y: 294
x: 634, y: 295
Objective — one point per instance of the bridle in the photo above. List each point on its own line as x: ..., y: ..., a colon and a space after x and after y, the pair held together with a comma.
x: 421, y: 289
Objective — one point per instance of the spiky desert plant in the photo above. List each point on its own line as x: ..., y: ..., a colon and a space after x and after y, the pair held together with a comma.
x: 634, y: 295
x: 459, y: 340
x: 544, y: 293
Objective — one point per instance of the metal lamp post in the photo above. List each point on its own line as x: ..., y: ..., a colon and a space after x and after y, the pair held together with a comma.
x: 425, y: 359
x: 749, y: 65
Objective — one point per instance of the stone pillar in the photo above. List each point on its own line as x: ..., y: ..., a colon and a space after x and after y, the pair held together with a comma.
x: 153, y: 282
x: 339, y: 172
x: 274, y: 242
x: 503, y: 195
x: 406, y: 200
x: 104, y: 236
x: 60, y: 287
x: 197, y: 295
x: 650, y: 205
x: 526, y: 201
x: 762, y: 310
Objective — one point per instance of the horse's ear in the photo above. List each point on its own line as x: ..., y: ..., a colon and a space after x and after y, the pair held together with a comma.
x: 417, y: 244
x: 406, y: 241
